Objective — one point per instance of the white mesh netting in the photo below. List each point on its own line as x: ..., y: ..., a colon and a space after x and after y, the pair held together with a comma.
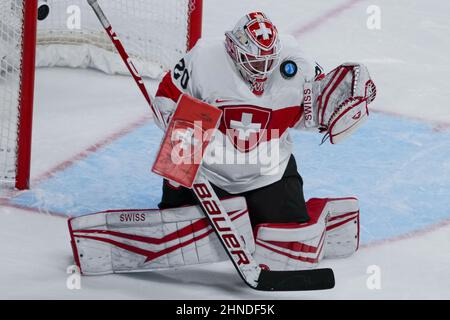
x: 11, y: 13
x: 154, y: 33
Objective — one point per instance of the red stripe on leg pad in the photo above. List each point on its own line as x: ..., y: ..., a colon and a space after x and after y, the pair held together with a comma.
x: 106, y: 242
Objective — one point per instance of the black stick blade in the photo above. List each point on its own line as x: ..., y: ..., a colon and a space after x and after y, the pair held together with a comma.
x: 302, y: 280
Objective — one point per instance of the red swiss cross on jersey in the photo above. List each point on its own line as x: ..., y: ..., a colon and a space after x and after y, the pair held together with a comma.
x: 261, y: 30
x: 245, y: 125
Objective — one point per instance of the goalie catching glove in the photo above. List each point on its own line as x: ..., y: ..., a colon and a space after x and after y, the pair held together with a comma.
x: 337, y: 104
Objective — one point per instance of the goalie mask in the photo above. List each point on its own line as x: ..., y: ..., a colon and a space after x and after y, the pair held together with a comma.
x: 254, y: 47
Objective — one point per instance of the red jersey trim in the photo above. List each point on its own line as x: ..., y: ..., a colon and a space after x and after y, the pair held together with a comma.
x: 168, y: 89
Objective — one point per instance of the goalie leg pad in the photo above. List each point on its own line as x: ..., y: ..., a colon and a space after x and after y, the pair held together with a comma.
x: 342, y: 224
x: 290, y: 246
x: 144, y: 240
x: 332, y: 232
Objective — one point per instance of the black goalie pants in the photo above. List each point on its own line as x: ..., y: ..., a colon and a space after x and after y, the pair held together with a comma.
x: 279, y: 202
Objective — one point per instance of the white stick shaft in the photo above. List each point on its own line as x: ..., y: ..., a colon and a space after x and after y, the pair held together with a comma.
x: 226, y: 231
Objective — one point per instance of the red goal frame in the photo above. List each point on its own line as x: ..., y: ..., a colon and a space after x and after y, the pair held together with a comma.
x: 26, y: 95
x: 27, y: 78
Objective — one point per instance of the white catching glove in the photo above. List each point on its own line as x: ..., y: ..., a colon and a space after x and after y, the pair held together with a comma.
x: 339, y: 101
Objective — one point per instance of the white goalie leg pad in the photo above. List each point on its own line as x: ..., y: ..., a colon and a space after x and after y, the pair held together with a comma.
x: 342, y: 238
x: 144, y: 240
x: 332, y: 232
x: 290, y: 246
x: 342, y: 224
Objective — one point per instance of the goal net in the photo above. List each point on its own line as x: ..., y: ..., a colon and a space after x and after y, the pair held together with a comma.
x: 156, y: 33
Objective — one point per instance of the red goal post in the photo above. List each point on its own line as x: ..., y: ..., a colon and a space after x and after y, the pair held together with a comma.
x: 17, y: 58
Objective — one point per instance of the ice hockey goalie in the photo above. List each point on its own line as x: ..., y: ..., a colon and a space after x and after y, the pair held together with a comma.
x: 265, y: 85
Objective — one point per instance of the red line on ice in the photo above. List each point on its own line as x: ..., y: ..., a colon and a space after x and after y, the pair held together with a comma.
x: 438, y: 126
x: 7, y: 203
x: 80, y: 156
x: 334, y: 12
x: 92, y: 149
x: 410, y: 235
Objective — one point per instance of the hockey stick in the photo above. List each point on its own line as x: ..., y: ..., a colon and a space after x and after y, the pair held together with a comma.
x: 248, y: 268
x: 245, y: 264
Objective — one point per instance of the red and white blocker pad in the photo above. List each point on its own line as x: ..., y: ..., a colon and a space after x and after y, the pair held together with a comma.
x: 332, y: 232
x: 143, y: 240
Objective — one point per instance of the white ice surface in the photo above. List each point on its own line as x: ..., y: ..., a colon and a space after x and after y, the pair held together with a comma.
x: 36, y: 252
x: 75, y: 109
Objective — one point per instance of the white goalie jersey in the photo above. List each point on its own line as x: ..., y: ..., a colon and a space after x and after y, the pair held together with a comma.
x: 252, y: 146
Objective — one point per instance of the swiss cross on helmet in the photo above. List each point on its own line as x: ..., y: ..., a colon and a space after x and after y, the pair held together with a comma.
x: 262, y: 31
x: 254, y: 46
